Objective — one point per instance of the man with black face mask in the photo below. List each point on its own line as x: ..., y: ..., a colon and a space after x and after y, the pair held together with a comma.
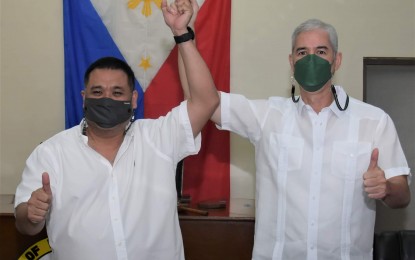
x: 322, y: 158
x: 105, y: 189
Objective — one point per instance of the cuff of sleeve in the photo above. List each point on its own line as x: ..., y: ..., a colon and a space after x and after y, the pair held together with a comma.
x: 389, y: 173
x: 18, y: 201
x: 192, y: 144
x: 224, y: 111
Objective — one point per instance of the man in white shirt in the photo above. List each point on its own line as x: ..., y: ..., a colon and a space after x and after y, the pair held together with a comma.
x: 106, y: 188
x: 322, y: 159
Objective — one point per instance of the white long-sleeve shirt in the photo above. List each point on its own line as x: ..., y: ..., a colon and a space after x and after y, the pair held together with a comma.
x: 310, y: 198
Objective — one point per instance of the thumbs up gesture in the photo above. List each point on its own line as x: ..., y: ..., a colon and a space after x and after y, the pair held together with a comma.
x: 374, y: 180
x: 40, y: 201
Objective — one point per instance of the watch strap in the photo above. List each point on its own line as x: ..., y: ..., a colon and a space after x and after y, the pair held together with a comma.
x: 190, y: 35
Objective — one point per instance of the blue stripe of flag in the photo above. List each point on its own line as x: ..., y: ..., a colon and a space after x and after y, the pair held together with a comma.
x: 85, y: 39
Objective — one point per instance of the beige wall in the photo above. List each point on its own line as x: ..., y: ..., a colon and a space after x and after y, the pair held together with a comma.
x: 31, y: 82
x: 32, y: 65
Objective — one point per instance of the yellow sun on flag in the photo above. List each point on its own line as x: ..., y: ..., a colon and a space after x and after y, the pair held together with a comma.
x: 146, y: 11
x: 145, y: 63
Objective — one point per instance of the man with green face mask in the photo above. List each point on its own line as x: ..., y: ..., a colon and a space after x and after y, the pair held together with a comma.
x: 322, y: 159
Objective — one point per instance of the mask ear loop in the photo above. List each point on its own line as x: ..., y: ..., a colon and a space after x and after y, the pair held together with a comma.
x: 84, y: 126
x: 132, y: 119
x: 333, y: 90
x: 293, y: 91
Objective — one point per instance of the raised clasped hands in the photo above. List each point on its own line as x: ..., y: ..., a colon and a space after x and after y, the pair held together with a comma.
x: 177, y: 15
x: 40, y: 201
x: 196, y: 8
x: 376, y: 185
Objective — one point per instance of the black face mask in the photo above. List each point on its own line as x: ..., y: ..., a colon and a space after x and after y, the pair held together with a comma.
x: 107, y: 112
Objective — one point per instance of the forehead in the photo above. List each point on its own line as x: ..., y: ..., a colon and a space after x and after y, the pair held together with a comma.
x: 312, y: 39
x: 108, y: 77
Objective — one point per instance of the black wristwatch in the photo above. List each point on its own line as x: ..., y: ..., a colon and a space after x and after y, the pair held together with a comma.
x: 190, y: 35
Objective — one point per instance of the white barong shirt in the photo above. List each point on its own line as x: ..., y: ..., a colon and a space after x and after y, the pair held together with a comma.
x: 310, y: 198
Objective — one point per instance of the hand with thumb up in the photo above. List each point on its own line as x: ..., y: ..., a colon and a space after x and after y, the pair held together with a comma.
x: 40, y: 201
x: 376, y: 185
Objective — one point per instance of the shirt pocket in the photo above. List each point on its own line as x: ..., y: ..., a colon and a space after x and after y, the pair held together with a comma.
x: 350, y: 159
x: 286, y: 152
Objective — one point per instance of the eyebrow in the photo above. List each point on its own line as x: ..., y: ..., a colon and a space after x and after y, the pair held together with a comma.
x: 300, y: 49
x: 99, y: 87
x: 323, y: 47
x: 318, y: 47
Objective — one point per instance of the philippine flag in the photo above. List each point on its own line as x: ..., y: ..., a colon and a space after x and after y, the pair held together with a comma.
x: 135, y: 31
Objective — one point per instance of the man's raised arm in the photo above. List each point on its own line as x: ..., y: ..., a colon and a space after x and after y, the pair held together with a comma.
x: 202, y: 96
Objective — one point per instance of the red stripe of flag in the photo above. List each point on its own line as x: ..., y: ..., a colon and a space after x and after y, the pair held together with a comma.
x: 206, y: 175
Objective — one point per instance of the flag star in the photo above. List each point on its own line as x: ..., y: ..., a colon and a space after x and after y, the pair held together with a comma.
x: 145, y: 63
x: 146, y: 11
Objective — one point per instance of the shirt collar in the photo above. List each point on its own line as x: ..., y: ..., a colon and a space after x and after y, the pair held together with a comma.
x: 83, y: 125
x: 341, y: 96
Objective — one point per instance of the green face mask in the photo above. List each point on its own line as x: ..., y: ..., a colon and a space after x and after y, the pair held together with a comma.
x: 312, y: 72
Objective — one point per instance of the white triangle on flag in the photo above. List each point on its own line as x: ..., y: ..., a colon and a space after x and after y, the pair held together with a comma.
x: 138, y: 36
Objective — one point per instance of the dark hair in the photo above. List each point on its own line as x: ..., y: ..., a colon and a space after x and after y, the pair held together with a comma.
x: 113, y: 64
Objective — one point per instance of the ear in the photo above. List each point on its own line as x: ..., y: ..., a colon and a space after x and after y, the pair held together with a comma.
x: 291, y: 62
x: 134, y: 99
x: 338, y: 61
x: 83, y: 97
